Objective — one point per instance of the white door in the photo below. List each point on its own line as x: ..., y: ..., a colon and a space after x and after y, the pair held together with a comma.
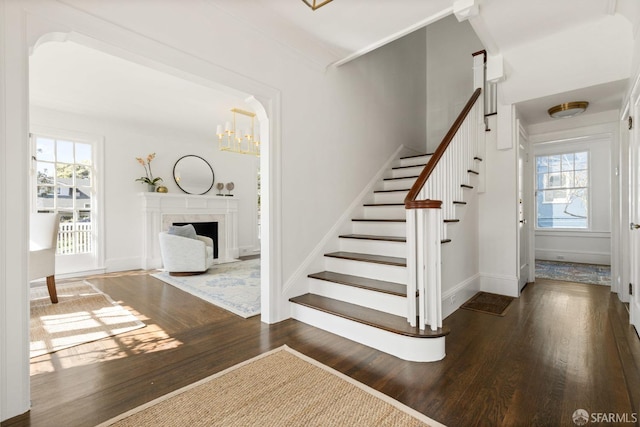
x: 634, y: 216
x: 524, y: 275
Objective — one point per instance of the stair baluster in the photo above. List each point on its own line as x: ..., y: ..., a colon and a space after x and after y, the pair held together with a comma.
x: 440, y: 182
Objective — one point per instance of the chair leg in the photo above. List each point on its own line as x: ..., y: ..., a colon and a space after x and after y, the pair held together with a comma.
x: 51, y: 286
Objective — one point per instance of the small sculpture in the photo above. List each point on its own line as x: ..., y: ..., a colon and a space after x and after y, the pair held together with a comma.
x: 220, y: 187
x: 230, y: 186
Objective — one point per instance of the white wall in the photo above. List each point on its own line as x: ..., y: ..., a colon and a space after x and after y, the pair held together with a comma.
x: 499, y: 215
x: 123, y: 142
x: 586, y: 246
x: 329, y: 131
x: 450, y: 45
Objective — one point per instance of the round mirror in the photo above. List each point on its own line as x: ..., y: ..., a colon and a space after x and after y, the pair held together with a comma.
x: 193, y: 174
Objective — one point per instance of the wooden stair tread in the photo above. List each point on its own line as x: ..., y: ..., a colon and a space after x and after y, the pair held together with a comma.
x: 374, y: 237
x: 378, y: 220
x: 392, y: 191
x: 445, y: 240
x: 459, y: 203
x: 367, y: 316
x: 402, y: 177
x: 376, y: 259
x: 478, y: 158
x: 466, y: 186
x: 473, y: 172
x: 391, y: 288
x: 383, y: 204
x: 451, y: 220
x: 416, y: 155
x: 410, y: 166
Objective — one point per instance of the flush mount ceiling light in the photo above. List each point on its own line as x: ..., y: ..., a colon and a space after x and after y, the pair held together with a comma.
x: 315, y: 4
x: 569, y: 109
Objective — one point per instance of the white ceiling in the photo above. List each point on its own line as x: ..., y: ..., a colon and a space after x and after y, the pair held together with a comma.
x: 71, y: 77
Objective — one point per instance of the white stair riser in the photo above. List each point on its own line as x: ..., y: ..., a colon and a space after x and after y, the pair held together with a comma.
x: 374, y: 247
x: 398, y: 184
x: 389, y: 273
x: 401, y: 346
x: 384, y: 212
x: 415, y: 160
x: 396, y: 229
x: 392, y: 304
x: 406, y: 172
x: 394, y: 197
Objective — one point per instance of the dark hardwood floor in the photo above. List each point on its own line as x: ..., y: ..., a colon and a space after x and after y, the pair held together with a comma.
x: 561, y: 346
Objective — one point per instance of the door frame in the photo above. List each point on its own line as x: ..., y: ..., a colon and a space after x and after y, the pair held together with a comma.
x: 634, y: 208
x: 524, y: 197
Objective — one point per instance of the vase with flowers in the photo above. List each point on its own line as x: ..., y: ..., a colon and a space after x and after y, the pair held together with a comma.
x: 148, y: 178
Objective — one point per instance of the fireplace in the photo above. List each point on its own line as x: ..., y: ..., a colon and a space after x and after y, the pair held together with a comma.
x: 208, y: 229
x: 163, y: 210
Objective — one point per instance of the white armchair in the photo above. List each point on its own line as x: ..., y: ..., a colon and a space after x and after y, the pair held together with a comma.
x: 183, y: 256
x: 43, y: 229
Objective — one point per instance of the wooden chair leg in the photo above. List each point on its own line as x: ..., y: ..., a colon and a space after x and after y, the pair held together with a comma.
x: 51, y: 286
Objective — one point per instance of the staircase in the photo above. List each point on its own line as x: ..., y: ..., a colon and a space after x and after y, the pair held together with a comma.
x: 362, y: 293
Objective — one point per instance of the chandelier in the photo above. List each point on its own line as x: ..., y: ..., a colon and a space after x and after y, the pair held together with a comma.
x: 315, y: 4
x: 232, y: 137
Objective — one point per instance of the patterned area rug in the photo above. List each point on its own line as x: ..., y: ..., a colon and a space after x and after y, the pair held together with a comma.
x: 278, y: 388
x: 234, y: 286
x: 82, y: 314
x: 592, y: 274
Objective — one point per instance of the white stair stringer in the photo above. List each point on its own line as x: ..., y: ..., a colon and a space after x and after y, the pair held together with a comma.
x: 405, y: 347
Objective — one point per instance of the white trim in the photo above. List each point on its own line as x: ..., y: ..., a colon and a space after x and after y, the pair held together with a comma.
x: 499, y: 284
x: 459, y: 294
x: 14, y: 332
x: 97, y: 153
x: 584, y: 257
x: 373, y: 46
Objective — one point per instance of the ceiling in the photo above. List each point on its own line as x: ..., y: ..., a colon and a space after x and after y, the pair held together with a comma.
x: 71, y: 77
x: 64, y: 75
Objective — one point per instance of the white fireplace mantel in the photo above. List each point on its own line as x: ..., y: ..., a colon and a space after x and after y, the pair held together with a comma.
x: 162, y: 209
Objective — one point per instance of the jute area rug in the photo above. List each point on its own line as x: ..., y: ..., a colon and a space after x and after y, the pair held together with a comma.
x: 83, y: 314
x: 278, y: 388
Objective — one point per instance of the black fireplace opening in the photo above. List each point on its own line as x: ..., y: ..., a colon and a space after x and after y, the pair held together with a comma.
x: 209, y: 229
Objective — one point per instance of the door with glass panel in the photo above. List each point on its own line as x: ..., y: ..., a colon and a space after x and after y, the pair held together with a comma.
x: 64, y: 182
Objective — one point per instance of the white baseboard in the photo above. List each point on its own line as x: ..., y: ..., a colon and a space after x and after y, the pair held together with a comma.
x: 122, y: 264
x: 585, y: 257
x: 499, y: 284
x: 459, y: 294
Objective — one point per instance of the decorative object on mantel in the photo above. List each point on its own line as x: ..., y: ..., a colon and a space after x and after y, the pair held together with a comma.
x: 238, y: 139
x: 220, y: 187
x: 230, y: 186
x: 162, y: 189
x: 193, y: 174
x: 148, y: 178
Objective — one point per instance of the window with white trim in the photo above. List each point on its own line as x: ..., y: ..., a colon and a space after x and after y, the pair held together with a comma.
x: 64, y: 183
x: 562, y: 191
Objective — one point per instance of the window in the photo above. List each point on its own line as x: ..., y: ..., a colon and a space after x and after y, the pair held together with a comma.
x: 562, y: 190
x: 64, y: 184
